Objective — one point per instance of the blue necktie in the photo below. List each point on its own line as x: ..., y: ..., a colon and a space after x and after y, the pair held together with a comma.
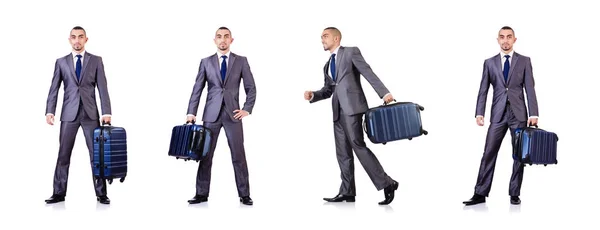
x: 506, y: 67
x: 332, y: 66
x: 223, y: 67
x: 78, y: 67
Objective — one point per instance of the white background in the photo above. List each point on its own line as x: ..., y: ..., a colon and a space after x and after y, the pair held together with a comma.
x: 430, y: 52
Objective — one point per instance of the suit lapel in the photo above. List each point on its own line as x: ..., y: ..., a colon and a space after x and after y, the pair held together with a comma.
x: 86, y: 60
x: 498, y: 65
x: 513, y: 64
x: 338, y: 63
x: 229, y: 66
x: 214, y: 62
x: 71, y: 66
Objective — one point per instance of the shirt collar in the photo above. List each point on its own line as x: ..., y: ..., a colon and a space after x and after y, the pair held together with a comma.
x: 228, y: 54
x: 74, y: 54
x: 512, y: 52
x: 336, y: 50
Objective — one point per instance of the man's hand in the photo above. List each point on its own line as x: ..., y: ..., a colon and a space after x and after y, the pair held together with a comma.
x: 480, y: 121
x: 532, y: 121
x: 50, y: 119
x: 239, y: 114
x: 190, y: 119
x: 388, y: 98
x: 308, y: 95
x: 106, y: 119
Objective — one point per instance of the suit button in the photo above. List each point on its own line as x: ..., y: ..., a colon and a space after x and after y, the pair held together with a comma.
x: 506, y: 89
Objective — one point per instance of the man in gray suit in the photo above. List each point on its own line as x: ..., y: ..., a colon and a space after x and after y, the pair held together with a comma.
x: 509, y: 73
x: 223, y: 72
x: 80, y: 72
x: 342, y: 83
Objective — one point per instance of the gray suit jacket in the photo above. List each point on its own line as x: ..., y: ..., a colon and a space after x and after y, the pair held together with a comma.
x: 520, y: 77
x: 349, y: 65
x: 220, y: 92
x: 76, y: 92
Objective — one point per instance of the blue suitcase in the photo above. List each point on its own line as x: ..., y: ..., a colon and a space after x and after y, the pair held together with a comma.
x: 394, y: 122
x: 190, y: 142
x: 535, y: 146
x: 110, y: 153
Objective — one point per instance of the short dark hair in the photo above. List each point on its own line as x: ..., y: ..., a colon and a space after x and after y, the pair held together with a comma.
x: 508, y: 28
x: 79, y: 28
x: 224, y: 28
x: 338, y: 32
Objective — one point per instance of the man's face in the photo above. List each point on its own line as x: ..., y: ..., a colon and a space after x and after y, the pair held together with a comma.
x: 78, y: 40
x: 327, y: 38
x: 223, y: 39
x: 506, y: 39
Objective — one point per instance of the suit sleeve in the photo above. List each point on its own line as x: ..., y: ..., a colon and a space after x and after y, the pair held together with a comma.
x: 103, y: 88
x: 249, y: 87
x: 365, y: 69
x: 53, y: 92
x: 530, y: 90
x: 323, y: 93
x: 197, y: 90
x: 483, y: 91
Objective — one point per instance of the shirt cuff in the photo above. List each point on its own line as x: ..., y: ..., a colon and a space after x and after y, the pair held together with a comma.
x: 49, y: 114
x: 106, y: 115
x: 479, y: 116
x: 191, y: 115
x: 312, y: 96
x: 534, y: 117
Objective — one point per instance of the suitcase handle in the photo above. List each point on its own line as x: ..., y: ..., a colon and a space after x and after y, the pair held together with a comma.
x: 187, y: 122
x: 385, y: 103
x: 106, y: 123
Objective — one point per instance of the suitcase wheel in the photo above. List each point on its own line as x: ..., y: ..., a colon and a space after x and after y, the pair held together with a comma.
x: 421, y: 108
x: 545, y: 165
x: 177, y: 158
x: 110, y: 181
x: 410, y: 138
x: 122, y: 179
x: 425, y: 132
x: 197, y: 161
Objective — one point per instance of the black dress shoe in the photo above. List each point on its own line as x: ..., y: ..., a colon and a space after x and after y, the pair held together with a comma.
x: 476, y: 199
x: 55, y: 199
x: 198, y: 199
x: 388, y: 192
x: 103, y: 199
x: 246, y: 200
x: 515, y: 200
x: 340, y: 198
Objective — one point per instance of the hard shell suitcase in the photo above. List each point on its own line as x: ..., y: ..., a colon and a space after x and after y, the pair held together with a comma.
x: 532, y: 145
x: 394, y: 122
x: 110, y: 153
x: 190, y: 142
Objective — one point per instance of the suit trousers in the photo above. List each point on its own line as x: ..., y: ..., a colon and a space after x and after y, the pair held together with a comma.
x: 235, y: 139
x: 495, y: 135
x: 348, y: 137
x: 68, y: 133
